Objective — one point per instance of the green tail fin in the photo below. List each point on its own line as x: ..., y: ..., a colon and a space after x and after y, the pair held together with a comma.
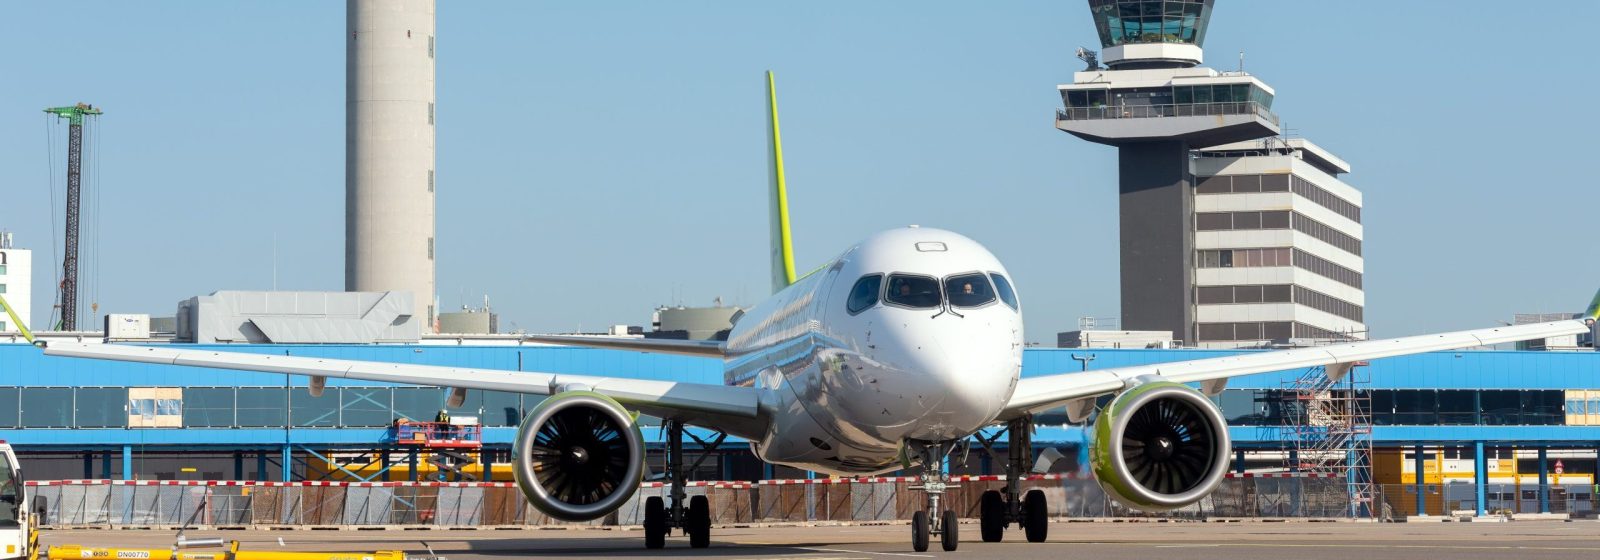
x: 782, y: 245
x: 1593, y: 312
x: 15, y: 321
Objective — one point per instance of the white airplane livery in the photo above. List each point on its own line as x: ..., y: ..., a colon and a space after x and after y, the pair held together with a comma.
x: 886, y: 358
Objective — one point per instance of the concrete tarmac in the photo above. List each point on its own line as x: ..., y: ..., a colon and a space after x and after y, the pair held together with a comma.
x: 1097, y: 541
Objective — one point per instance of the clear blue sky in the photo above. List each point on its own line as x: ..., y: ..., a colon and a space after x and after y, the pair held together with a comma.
x: 598, y: 159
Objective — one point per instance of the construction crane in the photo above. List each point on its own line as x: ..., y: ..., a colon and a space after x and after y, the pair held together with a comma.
x: 69, y: 262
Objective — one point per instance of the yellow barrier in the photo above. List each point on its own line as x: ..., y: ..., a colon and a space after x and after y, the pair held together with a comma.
x: 76, y: 552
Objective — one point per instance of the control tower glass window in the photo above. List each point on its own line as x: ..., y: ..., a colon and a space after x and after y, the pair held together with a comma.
x: 1121, y: 22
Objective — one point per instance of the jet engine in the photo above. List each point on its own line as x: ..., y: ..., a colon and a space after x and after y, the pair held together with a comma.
x: 578, y: 456
x: 1160, y: 446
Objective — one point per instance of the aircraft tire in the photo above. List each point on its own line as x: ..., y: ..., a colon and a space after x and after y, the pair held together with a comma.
x: 992, y: 516
x: 1035, y: 516
x: 655, y: 523
x: 699, y: 522
x: 919, y: 531
x: 949, y: 536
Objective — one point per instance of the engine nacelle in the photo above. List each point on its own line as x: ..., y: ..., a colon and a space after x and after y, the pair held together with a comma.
x: 1160, y: 446
x: 578, y: 456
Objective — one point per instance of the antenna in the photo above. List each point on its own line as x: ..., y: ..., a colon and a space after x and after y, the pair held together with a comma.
x: 1241, y: 61
x: 1089, y: 57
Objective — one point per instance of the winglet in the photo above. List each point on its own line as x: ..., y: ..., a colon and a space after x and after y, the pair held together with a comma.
x: 782, y: 246
x: 15, y: 321
x: 1592, y: 314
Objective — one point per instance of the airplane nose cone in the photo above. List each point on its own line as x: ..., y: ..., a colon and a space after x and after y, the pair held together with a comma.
x: 976, y: 378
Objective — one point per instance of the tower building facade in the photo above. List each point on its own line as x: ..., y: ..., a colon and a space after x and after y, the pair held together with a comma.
x: 1176, y: 124
x: 389, y: 150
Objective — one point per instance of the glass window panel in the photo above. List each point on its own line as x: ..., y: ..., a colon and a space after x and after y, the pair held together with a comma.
x: 1275, y: 183
x: 10, y: 408
x: 1278, y: 293
x: 1247, y: 183
x: 1097, y: 98
x: 1416, y: 407
x: 500, y: 409
x: 46, y: 407
x: 1183, y: 95
x: 365, y: 407
x: 1239, y: 406
x: 262, y: 407
x: 1216, y: 331
x: 1213, y: 221
x: 865, y: 293
x: 1457, y: 408
x: 1278, y: 330
x: 307, y: 411
x: 208, y: 407
x: 1542, y: 408
x: 102, y: 407
x: 1247, y: 331
x: 1008, y: 295
x: 1247, y: 294
x: 418, y: 403
x: 1275, y: 220
x: 1077, y: 98
x: 915, y: 291
x: 1239, y: 93
x: 1202, y: 94
x: 1246, y: 220
x: 1382, y: 408
x: 969, y: 290
x: 1501, y: 408
x: 1215, y: 185
x: 1215, y: 294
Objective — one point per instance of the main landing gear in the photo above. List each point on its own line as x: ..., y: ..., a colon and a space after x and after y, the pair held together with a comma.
x: 933, y: 481
x: 695, y: 520
x: 997, y: 509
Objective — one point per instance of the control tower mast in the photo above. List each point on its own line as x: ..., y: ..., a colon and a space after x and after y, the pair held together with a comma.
x: 1156, y: 104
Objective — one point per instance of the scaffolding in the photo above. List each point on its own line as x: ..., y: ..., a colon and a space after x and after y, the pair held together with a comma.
x: 1328, y: 417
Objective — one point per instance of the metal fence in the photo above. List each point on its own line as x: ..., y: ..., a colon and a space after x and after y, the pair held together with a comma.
x: 1166, y: 110
x: 222, y: 504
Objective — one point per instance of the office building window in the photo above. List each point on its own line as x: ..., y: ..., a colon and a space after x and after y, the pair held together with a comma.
x: 421, y: 404
x: 2, y: 288
x: 101, y: 407
x: 306, y: 411
x: 46, y: 407
x: 430, y: 113
x: 262, y: 407
x: 2, y: 270
x: 430, y: 180
x: 366, y: 407
x: 10, y: 407
x: 208, y: 407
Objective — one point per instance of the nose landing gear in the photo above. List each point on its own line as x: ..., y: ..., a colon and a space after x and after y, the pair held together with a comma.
x: 933, y: 481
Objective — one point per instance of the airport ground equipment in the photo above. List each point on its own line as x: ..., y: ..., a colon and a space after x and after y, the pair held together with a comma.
x: 187, y: 550
x: 69, y: 262
x: 17, y: 536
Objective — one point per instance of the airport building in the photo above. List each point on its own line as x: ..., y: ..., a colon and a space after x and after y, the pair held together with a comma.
x: 1504, y: 416
x: 1230, y: 235
x: 16, y: 282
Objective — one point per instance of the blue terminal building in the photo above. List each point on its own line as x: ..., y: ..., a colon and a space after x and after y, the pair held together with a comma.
x: 1477, y: 415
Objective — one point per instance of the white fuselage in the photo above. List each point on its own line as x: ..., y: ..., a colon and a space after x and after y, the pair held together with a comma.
x: 853, y: 371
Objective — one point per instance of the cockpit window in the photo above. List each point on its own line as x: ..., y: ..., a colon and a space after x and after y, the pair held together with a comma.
x: 921, y: 292
x: 1007, y: 295
x: 968, y: 290
x: 865, y: 293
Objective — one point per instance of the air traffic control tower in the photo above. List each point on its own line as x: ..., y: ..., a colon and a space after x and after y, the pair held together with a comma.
x: 1160, y: 108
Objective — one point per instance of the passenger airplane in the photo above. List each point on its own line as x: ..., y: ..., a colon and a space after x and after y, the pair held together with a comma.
x: 885, y: 358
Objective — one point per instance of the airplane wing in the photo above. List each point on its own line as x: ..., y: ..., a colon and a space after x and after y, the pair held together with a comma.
x: 1049, y: 391
x: 730, y: 409
x: 702, y: 348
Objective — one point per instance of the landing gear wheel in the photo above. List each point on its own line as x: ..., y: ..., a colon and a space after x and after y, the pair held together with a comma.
x: 655, y: 522
x: 919, y: 531
x: 1035, y: 516
x: 698, y: 524
x: 949, y: 536
x: 992, y: 516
